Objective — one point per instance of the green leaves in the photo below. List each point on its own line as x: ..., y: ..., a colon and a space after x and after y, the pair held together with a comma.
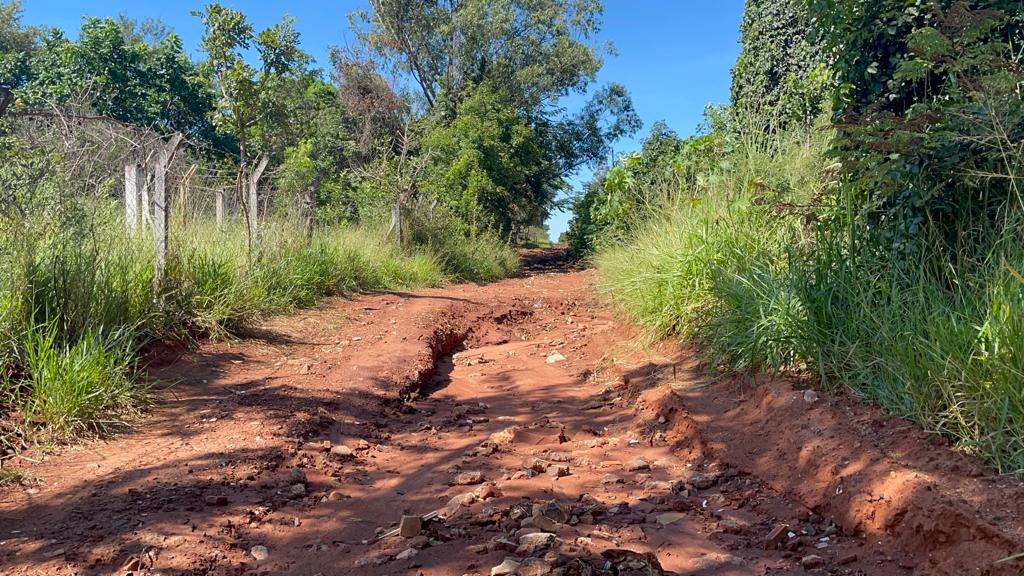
x: 153, y: 85
x: 930, y: 44
x: 930, y: 111
x: 490, y: 166
x: 780, y: 70
x: 250, y: 102
x: 534, y: 51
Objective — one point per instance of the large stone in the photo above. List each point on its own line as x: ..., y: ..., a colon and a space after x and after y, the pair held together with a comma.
x: 535, y: 567
x: 537, y: 465
x: 552, y: 511
x: 637, y: 465
x: 530, y: 543
x: 558, y: 470
x: 702, y: 481
x: 457, y: 502
x: 507, y: 567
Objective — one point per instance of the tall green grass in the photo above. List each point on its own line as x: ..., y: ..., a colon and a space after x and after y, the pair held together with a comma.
x: 76, y: 301
x: 933, y: 335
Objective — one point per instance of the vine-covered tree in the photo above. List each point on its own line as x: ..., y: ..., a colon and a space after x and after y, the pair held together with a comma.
x: 780, y: 71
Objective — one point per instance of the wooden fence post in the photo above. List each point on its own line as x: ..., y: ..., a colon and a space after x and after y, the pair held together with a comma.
x: 134, y: 178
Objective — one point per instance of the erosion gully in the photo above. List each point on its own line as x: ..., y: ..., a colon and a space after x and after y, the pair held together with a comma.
x: 518, y: 429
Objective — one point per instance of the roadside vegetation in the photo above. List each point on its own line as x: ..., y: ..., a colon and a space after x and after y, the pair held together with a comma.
x: 870, y: 237
x: 413, y: 161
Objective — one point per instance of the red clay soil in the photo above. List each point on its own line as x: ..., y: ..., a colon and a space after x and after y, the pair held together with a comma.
x: 521, y: 414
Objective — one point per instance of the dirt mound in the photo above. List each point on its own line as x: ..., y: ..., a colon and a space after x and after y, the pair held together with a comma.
x: 880, y: 478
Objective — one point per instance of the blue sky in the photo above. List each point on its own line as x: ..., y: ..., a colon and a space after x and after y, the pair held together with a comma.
x: 674, y: 55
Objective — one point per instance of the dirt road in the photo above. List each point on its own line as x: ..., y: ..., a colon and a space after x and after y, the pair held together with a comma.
x: 523, y: 416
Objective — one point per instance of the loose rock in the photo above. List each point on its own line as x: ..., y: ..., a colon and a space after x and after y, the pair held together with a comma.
x: 259, y: 552
x: 530, y: 543
x: 406, y: 554
x: 535, y: 567
x: 555, y: 358
x: 703, y: 481
x: 812, y: 561
x: 341, y: 451
x: 611, y: 479
x: 537, y: 465
x: 457, y: 502
x: 558, y: 470
x: 509, y: 566
x: 637, y: 465
x: 469, y: 478
x: 371, y: 561
x: 775, y: 537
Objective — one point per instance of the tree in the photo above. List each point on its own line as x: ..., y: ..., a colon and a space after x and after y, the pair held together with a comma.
x: 156, y: 86
x: 16, y: 45
x: 151, y: 31
x: 374, y: 114
x: 780, y: 71
x: 490, y: 166
x: 249, y: 97
x: 930, y: 112
x: 516, y: 59
x: 536, y: 51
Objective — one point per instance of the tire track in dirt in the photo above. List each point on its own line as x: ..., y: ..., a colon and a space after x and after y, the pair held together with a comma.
x: 517, y: 411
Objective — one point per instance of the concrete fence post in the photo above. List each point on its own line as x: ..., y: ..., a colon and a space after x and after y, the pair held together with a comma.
x: 134, y: 179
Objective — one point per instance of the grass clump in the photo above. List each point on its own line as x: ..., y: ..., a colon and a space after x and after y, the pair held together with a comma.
x: 10, y: 476
x: 77, y: 387
x: 770, y: 269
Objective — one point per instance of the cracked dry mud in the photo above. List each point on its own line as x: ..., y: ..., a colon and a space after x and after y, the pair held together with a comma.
x: 517, y: 430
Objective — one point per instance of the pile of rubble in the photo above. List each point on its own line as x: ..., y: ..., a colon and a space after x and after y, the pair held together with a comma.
x: 534, y: 538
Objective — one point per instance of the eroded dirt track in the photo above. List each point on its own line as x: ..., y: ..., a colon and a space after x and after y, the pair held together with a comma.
x: 521, y: 414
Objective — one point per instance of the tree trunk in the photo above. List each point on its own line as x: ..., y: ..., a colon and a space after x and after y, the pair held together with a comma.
x: 6, y: 97
x: 252, y: 199
x: 396, y: 222
x: 309, y: 203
